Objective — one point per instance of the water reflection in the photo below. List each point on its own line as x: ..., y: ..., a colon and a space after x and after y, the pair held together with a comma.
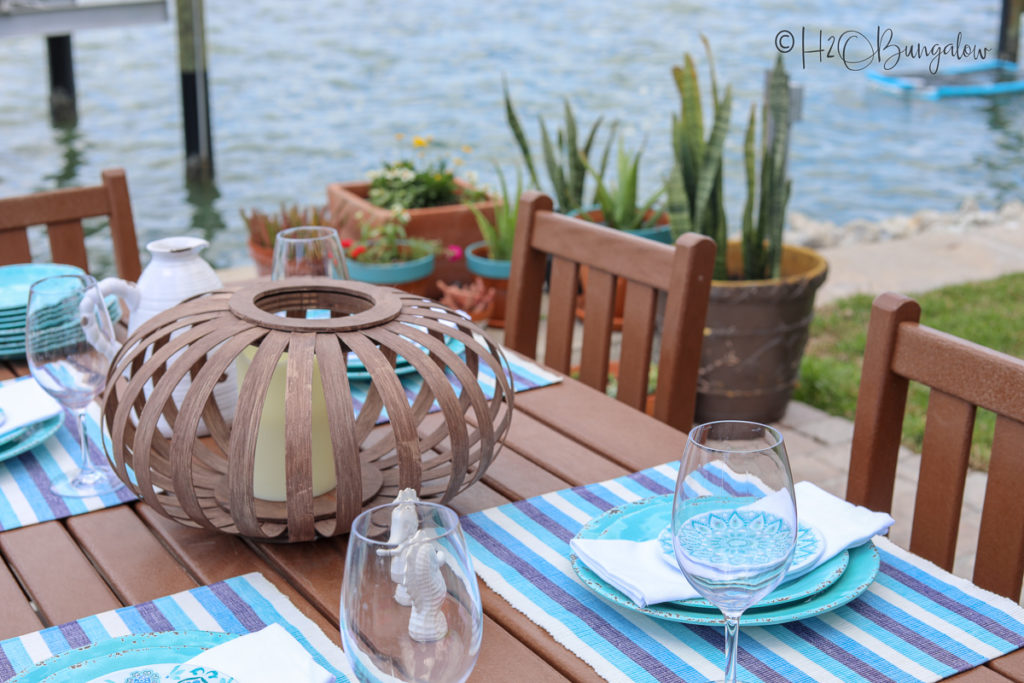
x: 72, y: 145
x: 202, y: 196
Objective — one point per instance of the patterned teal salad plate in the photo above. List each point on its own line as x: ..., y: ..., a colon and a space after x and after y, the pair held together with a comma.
x: 143, y: 658
x: 16, y: 280
x: 833, y: 584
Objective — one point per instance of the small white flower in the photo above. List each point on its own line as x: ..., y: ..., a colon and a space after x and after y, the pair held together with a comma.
x: 374, y: 174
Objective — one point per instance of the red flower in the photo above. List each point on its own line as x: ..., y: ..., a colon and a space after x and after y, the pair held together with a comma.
x: 357, y: 250
x: 346, y: 244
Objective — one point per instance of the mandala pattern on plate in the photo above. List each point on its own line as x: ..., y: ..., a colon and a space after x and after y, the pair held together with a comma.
x: 726, y: 536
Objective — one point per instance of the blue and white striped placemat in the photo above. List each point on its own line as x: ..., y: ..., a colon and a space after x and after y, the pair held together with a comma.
x: 915, y: 623
x: 525, y: 375
x: 25, y: 480
x: 242, y: 604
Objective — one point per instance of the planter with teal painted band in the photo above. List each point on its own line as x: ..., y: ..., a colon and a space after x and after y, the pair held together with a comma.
x: 494, y: 273
x: 398, y: 273
x: 485, y: 267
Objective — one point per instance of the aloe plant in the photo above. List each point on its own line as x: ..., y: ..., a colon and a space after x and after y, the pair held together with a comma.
x: 564, y: 157
x: 695, y: 195
x: 501, y: 234
x: 762, y: 239
x: 619, y: 202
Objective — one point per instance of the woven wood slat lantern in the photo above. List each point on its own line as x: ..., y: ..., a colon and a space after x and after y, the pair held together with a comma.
x: 299, y: 461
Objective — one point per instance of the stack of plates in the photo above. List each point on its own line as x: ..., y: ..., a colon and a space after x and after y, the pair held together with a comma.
x: 829, y: 586
x: 15, y: 282
x: 357, y: 371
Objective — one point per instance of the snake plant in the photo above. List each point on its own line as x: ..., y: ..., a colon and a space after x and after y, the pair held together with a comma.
x: 695, y: 195
x: 565, y: 158
x: 762, y: 238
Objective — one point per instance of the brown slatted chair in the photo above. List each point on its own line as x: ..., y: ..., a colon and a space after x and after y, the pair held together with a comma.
x: 62, y: 211
x: 962, y: 376
x: 683, y: 271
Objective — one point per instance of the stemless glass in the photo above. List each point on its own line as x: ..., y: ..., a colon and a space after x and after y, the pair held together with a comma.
x: 410, y: 607
x: 734, y: 518
x: 308, y: 251
x: 69, y: 340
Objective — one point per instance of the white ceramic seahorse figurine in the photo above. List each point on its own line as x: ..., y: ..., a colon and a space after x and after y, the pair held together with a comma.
x: 404, y: 524
x: 425, y: 584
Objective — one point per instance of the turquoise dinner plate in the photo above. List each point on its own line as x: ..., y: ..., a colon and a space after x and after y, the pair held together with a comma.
x: 16, y: 280
x: 831, y: 585
x: 29, y: 437
x: 143, y: 658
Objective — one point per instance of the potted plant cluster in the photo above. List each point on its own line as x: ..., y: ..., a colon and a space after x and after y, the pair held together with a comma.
x: 436, y: 202
x: 491, y: 257
x: 263, y: 228
x: 385, y: 254
x: 762, y: 297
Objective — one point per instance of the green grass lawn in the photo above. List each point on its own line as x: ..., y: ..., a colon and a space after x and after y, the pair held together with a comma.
x: 989, y: 313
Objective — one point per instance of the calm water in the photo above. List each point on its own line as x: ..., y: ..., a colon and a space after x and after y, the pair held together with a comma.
x: 308, y: 93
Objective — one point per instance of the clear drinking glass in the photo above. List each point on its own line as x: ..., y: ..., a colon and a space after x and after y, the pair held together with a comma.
x: 69, y: 340
x: 410, y: 607
x: 734, y: 518
x: 308, y: 251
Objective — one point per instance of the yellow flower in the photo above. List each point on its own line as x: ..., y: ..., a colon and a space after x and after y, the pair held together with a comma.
x: 457, y: 161
x: 418, y: 141
x: 399, y: 136
x: 466, y: 149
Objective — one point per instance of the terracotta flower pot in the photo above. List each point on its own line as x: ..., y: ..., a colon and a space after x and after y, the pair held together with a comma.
x: 263, y: 257
x: 450, y: 224
x: 494, y: 273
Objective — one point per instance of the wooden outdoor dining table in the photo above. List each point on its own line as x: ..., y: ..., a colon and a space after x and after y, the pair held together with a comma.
x: 562, y: 435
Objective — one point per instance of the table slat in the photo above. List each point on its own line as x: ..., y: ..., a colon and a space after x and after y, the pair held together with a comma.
x: 16, y: 614
x: 1011, y: 665
x: 625, y: 436
x: 979, y: 675
x: 135, y: 564
x: 211, y: 556
x: 557, y: 453
x: 58, y: 576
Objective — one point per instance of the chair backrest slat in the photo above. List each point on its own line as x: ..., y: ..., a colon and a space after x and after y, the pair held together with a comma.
x: 67, y: 243
x: 62, y: 211
x: 640, y: 308
x: 962, y: 376
x: 14, y: 246
x: 940, y: 484
x: 999, y: 566
x: 561, y: 314
x: 646, y: 267
x: 597, y: 328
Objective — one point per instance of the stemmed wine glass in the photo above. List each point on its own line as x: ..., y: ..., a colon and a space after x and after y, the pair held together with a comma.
x: 308, y: 250
x: 410, y: 607
x: 734, y: 519
x: 69, y: 341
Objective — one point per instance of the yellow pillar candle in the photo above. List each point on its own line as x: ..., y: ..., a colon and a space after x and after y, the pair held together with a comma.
x: 269, y: 467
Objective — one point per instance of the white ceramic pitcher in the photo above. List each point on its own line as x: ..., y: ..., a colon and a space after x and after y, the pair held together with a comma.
x: 175, y: 273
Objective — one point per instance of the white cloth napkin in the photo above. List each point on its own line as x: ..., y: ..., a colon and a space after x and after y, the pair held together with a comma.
x: 270, y: 655
x: 638, y: 570
x: 24, y: 402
